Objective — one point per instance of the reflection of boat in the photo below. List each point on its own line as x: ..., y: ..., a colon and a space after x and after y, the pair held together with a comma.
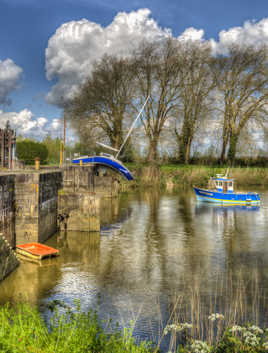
x: 220, y: 208
x: 115, y: 228
x: 221, y: 190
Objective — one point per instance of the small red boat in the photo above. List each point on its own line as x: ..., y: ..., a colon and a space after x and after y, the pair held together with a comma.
x: 36, y: 251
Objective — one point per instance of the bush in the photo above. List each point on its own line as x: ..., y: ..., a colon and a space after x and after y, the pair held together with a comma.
x: 28, y: 150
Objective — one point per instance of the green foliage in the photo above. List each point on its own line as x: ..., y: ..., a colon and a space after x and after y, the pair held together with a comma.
x: 53, y: 147
x: 23, y: 330
x: 86, y: 149
x: 27, y: 150
x: 245, y: 339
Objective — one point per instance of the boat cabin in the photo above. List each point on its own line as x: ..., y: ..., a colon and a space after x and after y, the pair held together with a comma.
x: 222, y: 183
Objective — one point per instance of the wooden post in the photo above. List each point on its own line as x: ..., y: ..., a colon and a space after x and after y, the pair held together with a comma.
x: 61, y: 153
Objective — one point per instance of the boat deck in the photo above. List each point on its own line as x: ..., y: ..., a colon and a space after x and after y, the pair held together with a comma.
x: 36, y: 251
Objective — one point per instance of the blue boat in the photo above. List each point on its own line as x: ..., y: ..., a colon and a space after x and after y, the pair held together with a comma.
x: 221, y: 190
x: 105, y: 160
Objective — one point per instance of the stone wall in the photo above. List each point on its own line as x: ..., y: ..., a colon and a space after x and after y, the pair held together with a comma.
x: 8, y: 260
x: 80, y: 211
x: 36, y: 195
x: 7, y: 208
x: 79, y: 204
x: 79, y: 201
x: 100, y: 181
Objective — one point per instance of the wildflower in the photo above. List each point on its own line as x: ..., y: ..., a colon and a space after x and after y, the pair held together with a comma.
x: 200, y: 347
x: 177, y: 328
x: 216, y: 316
x: 251, y: 339
x: 256, y: 330
x: 265, y: 345
x: 236, y: 328
x: 184, y: 326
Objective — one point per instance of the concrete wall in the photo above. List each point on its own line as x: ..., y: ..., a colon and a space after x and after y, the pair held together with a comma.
x: 83, y: 188
x: 79, y: 200
x: 36, y: 195
x: 91, y: 179
x: 82, y: 210
x: 7, y: 208
x: 8, y: 260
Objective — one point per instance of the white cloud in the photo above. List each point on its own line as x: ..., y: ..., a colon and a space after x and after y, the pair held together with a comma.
x: 27, y: 125
x: 9, y: 76
x: 252, y: 33
x: 55, y: 124
x: 192, y: 34
x: 76, y: 45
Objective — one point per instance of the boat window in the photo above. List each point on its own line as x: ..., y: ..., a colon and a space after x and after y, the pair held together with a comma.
x: 230, y: 184
x: 220, y: 183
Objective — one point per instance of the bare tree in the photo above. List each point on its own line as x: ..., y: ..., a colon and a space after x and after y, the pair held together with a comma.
x: 196, y: 85
x: 156, y: 77
x: 242, y: 79
x: 104, y: 100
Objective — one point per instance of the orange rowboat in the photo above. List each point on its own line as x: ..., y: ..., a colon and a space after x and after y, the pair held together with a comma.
x: 36, y: 251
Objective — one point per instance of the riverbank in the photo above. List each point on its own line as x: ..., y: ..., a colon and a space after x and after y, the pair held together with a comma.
x: 176, y: 176
x: 22, y: 329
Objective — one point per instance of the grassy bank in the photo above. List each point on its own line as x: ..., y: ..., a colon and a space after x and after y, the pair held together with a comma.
x: 22, y: 330
x: 189, y: 175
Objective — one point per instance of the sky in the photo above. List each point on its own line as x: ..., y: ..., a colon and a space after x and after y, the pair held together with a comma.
x: 47, y: 48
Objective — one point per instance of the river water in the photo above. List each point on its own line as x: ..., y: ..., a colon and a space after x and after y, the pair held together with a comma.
x: 159, y: 257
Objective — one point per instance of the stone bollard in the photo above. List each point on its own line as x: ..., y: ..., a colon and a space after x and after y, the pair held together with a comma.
x: 37, y: 163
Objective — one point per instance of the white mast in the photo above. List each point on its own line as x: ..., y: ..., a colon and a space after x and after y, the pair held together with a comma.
x: 131, y: 128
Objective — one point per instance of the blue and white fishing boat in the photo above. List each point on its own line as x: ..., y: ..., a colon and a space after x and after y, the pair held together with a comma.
x: 221, y: 190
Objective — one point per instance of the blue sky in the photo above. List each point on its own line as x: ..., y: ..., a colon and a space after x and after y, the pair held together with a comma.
x: 42, y: 61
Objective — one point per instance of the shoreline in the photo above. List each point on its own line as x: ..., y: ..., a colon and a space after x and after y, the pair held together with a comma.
x: 177, y: 176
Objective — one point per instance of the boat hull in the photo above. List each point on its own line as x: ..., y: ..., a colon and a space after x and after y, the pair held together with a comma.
x: 107, y: 162
x: 227, y: 197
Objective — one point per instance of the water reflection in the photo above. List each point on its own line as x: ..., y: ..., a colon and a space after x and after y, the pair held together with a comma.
x: 156, y: 251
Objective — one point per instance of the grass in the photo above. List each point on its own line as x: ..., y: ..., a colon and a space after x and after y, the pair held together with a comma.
x: 177, y: 175
x: 22, y: 330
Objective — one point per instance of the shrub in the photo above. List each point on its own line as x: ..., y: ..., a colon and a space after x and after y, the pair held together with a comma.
x: 28, y: 150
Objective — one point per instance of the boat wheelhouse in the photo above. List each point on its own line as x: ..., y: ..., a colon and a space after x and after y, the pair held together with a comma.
x: 221, y: 189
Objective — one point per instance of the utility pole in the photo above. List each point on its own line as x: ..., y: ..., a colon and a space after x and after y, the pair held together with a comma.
x: 64, y: 137
x: 62, y: 143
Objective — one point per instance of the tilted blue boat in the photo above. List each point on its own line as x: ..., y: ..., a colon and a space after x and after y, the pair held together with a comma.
x: 221, y: 190
x: 106, y: 160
